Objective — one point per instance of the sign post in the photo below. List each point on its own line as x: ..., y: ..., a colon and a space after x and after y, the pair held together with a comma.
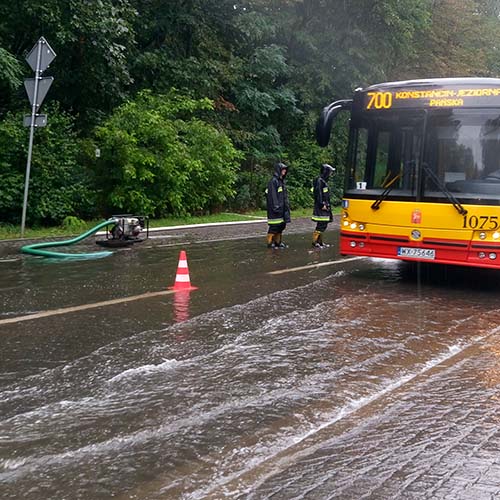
x: 39, y: 58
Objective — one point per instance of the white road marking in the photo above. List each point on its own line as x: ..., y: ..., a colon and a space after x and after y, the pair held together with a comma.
x: 83, y: 307
x: 312, y: 266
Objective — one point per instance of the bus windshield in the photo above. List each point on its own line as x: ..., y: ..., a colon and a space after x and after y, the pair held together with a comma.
x: 461, y: 147
x: 386, y: 149
x: 463, y: 150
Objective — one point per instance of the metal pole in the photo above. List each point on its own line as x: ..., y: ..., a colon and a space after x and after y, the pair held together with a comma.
x: 32, y: 133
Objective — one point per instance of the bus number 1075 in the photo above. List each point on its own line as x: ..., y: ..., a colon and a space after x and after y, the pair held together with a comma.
x: 481, y: 222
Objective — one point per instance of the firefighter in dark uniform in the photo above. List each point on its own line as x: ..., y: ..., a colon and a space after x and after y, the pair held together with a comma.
x: 278, y: 208
x: 322, y: 213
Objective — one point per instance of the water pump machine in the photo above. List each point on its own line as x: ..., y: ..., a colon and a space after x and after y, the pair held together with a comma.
x: 126, y: 230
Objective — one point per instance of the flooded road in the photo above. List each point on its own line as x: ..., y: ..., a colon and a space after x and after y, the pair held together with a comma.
x: 358, y: 378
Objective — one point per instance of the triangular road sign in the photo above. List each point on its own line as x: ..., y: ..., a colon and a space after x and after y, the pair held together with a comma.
x: 43, y: 87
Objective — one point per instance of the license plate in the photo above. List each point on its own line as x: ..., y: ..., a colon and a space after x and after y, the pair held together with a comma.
x: 417, y: 253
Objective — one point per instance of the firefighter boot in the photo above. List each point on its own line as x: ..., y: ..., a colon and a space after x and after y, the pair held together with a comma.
x: 320, y: 241
x: 316, y: 239
x: 270, y: 240
x: 278, y: 242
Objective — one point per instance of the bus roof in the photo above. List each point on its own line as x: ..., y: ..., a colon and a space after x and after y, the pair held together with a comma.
x: 433, y: 82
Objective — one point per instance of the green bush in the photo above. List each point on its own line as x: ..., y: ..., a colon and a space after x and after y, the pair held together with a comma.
x: 159, y: 158
x: 306, y: 158
x: 59, y: 186
x: 73, y: 224
x: 250, y: 187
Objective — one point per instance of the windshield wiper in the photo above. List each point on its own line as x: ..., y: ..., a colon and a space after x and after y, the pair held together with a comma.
x: 458, y: 207
x: 388, y: 188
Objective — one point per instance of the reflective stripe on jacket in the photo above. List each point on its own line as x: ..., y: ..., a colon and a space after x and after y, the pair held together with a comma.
x: 322, y: 210
x: 278, y: 207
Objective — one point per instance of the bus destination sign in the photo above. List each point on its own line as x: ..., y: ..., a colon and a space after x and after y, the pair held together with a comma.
x: 453, y: 97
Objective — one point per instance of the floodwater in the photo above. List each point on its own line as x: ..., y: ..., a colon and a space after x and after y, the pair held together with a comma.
x: 359, y: 379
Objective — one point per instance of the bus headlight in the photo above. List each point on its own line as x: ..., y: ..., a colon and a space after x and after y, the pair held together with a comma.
x: 353, y: 244
x: 481, y: 255
x: 482, y: 236
x: 361, y: 227
x: 354, y: 225
x: 496, y: 235
x: 346, y: 223
x: 492, y: 255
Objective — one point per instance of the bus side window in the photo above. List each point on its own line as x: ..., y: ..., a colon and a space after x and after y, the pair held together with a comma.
x: 409, y: 156
x: 491, y: 149
x: 361, y: 154
x: 381, y: 160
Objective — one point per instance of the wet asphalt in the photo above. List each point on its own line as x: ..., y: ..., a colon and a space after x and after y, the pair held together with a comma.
x: 290, y: 373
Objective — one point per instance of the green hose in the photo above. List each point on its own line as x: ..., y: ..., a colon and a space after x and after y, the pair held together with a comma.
x: 35, y: 248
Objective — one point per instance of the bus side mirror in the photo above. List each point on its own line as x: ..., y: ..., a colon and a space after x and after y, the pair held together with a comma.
x: 325, y: 121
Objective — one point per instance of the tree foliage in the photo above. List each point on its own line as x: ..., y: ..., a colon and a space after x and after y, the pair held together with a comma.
x: 252, y: 76
x: 59, y: 185
x: 93, y: 41
x: 10, y: 78
x: 158, y: 157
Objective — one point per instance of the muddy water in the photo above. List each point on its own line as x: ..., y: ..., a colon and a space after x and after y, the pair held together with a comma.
x: 360, y: 379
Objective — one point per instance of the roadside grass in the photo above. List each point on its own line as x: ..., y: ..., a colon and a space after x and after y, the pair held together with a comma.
x: 299, y: 213
x: 10, y: 232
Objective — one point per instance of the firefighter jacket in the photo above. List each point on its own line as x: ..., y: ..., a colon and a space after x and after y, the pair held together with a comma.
x: 322, y: 209
x: 278, y: 207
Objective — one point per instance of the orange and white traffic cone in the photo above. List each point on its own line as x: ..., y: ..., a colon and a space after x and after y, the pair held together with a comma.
x: 182, y: 281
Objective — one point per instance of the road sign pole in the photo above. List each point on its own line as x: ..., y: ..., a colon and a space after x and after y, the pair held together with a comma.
x: 39, y: 59
x: 32, y: 134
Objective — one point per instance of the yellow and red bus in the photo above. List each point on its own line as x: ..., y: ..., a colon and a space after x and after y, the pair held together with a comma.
x: 423, y: 171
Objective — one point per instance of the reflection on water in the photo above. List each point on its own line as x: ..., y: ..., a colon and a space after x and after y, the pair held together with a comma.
x: 181, y: 306
x: 368, y: 380
x: 453, y: 277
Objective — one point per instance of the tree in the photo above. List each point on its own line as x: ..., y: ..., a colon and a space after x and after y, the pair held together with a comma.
x: 93, y: 41
x: 158, y: 157
x: 268, y: 66
x: 186, y: 44
x: 59, y: 185
x: 10, y: 78
x: 457, y: 42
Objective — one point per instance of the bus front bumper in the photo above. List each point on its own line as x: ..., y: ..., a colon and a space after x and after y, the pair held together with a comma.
x: 436, y: 250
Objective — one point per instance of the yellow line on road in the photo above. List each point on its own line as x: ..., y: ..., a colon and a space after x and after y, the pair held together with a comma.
x: 66, y: 310
x: 312, y: 266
